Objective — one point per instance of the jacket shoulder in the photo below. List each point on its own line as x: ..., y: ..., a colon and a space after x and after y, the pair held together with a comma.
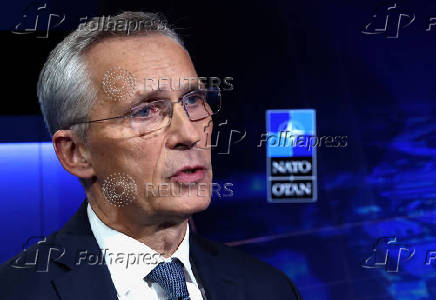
x: 27, y: 273
x: 260, y: 277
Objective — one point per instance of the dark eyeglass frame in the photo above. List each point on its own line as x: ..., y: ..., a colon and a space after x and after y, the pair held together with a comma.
x: 181, y: 100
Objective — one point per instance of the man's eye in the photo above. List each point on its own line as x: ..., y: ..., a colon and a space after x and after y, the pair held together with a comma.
x: 146, y: 111
x: 194, y: 99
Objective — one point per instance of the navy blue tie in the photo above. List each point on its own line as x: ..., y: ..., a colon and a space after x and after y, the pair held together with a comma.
x: 171, y: 277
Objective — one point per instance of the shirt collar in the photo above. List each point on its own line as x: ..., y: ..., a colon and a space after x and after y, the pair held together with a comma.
x: 127, y: 270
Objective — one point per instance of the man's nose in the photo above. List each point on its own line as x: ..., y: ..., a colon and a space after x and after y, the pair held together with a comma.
x: 183, y: 133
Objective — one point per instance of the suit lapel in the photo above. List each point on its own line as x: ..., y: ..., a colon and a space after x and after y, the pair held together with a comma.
x: 85, y: 283
x: 86, y: 277
x: 219, y: 280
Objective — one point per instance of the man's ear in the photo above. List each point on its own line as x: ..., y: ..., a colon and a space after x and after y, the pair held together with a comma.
x: 72, y: 154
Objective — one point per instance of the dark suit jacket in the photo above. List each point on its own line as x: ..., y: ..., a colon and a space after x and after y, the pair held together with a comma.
x: 225, y: 273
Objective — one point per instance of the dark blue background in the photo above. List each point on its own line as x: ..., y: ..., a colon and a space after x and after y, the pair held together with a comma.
x: 378, y: 91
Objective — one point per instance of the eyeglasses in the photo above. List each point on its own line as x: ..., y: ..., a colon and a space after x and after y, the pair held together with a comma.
x: 151, y: 116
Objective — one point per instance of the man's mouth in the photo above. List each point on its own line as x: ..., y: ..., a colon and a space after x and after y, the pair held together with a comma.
x: 189, y: 174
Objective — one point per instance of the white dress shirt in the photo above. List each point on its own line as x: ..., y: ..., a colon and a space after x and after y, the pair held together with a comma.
x: 129, y: 261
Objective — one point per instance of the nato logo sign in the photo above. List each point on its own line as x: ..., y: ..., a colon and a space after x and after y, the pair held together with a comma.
x: 291, y: 161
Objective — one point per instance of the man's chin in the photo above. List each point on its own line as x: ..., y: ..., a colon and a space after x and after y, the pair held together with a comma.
x: 183, y: 205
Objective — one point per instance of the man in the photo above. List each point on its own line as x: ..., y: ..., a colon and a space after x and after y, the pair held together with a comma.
x: 141, y: 153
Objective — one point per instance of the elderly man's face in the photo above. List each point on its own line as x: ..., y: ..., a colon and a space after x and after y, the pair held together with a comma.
x: 156, y: 161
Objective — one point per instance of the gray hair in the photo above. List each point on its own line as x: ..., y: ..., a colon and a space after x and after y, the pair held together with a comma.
x: 65, y: 91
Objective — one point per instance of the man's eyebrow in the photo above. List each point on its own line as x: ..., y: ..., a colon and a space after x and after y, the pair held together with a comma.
x: 142, y: 96
x: 145, y: 96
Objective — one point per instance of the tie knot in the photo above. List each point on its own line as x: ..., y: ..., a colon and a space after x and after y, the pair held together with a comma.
x: 171, y: 277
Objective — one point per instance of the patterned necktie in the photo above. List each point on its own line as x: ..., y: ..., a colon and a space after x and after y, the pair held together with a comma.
x: 171, y: 277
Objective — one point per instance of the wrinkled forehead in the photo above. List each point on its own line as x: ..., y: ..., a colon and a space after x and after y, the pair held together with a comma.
x: 123, y: 67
